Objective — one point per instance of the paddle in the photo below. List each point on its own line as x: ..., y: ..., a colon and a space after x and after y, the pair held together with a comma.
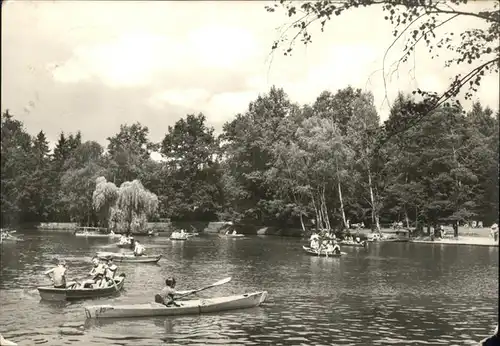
x: 218, y: 283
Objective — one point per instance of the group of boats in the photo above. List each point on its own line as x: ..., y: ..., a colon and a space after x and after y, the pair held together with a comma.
x: 182, y: 307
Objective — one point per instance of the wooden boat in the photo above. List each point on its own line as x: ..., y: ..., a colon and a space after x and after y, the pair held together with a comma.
x: 230, y: 235
x: 60, y: 294
x: 187, y: 307
x: 124, y: 245
x: 128, y: 258
x: 323, y: 253
x: 7, y: 238
x: 97, y: 235
x: 6, y: 235
x: 353, y: 243
x: 5, y: 342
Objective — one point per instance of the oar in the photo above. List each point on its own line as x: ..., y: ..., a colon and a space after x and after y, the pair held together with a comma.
x: 218, y: 283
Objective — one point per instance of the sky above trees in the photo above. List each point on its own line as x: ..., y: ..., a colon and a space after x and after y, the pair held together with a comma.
x: 90, y: 66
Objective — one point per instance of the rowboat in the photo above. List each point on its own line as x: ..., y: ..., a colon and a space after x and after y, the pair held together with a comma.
x: 5, y: 342
x: 323, y: 253
x: 179, y: 237
x: 353, y: 243
x: 6, y: 235
x: 129, y: 258
x: 232, y: 235
x: 124, y: 245
x: 97, y: 235
x: 187, y: 307
x: 60, y: 294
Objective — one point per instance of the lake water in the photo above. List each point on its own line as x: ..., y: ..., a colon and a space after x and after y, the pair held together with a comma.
x: 392, y: 293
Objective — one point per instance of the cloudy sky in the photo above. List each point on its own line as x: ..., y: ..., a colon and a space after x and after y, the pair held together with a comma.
x: 91, y: 66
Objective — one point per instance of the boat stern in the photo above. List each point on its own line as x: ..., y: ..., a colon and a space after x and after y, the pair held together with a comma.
x: 53, y: 295
x: 263, y: 297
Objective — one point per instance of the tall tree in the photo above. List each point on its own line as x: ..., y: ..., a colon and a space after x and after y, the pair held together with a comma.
x: 191, y: 151
x: 128, y: 150
x: 15, y: 170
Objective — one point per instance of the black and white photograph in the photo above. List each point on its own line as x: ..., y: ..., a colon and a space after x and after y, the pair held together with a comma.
x: 275, y: 172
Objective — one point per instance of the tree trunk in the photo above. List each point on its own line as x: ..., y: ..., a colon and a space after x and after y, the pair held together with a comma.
x: 342, y: 205
x: 375, y: 216
x: 318, y: 216
x: 302, y: 222
x: 323, y: 201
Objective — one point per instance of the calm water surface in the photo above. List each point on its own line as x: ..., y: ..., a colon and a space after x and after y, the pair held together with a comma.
x: 402, y: 294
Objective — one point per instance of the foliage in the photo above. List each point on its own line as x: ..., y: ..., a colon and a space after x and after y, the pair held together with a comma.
x: 277, y: 164
x: 126, y: 208
x: 416, y: 22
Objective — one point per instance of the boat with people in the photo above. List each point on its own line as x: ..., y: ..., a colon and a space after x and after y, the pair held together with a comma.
x: 129, y: 257
x: 185, y: 307
x: 232, y: 234
x: 76, y: 292
x: 7, y: 236
x: 179, y: 235
x: 126, y: 242
x: 353, y: 243
x: 400, y: 235
x: 322, y: 252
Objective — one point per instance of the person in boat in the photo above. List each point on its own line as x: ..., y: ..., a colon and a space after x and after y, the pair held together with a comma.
x: 314, y: 239
x: 124, y: 239
x: 166, y: 295
x: 358, y: 239
x: 138, y: 249
x: 336, y: 248
x: 494, y: 231
x: 58, y: 276
x: 234, y: 232
x: 329, y: 247
x: 110, y: 272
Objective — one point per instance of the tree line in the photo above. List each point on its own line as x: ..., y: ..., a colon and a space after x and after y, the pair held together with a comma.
x: 279, y: 163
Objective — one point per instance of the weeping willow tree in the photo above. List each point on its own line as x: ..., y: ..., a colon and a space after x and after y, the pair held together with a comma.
x: 126, y: 208
x: 104, y: 199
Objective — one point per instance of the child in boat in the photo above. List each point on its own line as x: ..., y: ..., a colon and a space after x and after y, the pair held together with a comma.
x: 98, y: 272
x: 138, y: 249
x: 58, y: 274
x: 110, y: 272
x: 166, y: 296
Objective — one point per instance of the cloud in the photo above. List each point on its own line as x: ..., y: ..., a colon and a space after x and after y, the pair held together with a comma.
x: 137, y: 58
x: 130, y: 60
x: 188, y: 98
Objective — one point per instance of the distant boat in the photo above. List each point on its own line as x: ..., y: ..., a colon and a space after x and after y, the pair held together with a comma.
x: 231, y: 235
x: 322, y: 253
x: 129, y: 258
